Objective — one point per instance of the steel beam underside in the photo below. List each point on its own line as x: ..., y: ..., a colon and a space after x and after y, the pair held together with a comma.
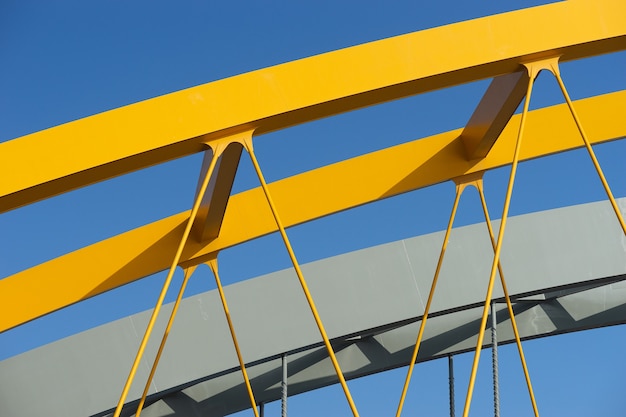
x: 569, y: 264
x: 174, y: 125
x: 141, y: 252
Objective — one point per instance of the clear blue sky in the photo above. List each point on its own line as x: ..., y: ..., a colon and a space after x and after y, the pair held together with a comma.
x: 64, y: 60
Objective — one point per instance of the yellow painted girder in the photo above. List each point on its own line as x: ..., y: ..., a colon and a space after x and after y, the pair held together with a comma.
x: 138, y: 253
x: 85, y: 151
x: 502, y: 98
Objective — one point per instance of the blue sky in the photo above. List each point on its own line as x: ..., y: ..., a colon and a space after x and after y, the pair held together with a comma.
x: 66, y: 60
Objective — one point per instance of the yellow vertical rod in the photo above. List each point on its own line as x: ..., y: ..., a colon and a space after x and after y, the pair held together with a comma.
x: 166, y: 284
x: 213, y: 265
x: 188, y: 272
x: 459, y: 191
x: 509, y: 305
x: 496, y: 258
x: 596, y: 164
x: 331, y: 353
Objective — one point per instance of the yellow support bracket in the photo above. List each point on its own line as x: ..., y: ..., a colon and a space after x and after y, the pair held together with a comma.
x: 218, y: 148
x: 554, y: 68
x: 461, y: 183
x: 212, y: 263
x: 533, y: 69
x: 69, y: 156
x: 247, y: 143
x: 509, y: 305
x: 188, y: 273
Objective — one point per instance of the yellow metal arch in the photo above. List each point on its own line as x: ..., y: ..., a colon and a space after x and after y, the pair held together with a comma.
x: 150, y: 132
x: 138, y: 253
x: 229, y: 111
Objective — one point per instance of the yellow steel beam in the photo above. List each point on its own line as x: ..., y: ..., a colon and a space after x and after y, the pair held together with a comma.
x: 209, y: 220
x: 138, y: 253
x: 85, y: 151
x: 493, y: 112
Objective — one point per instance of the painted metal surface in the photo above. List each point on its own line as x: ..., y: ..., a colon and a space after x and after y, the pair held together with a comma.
x: 533, y: 70
x: 208, y: 222
x: 146, y: 250
x: 174, y: 125
x: 303, y: 283
x: 375, y: 297
x: 504, y: 95
x: 274, y: 98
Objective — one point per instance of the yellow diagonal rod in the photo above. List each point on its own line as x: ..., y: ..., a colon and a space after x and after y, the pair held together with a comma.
x: 509, y: 305
x: 555, y: 70
x: 213, y: 265
x: 494, y: 267
x: 168, y: 279
x: 188, y: 272
x: 444, y: 245
x: 331, y: 353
